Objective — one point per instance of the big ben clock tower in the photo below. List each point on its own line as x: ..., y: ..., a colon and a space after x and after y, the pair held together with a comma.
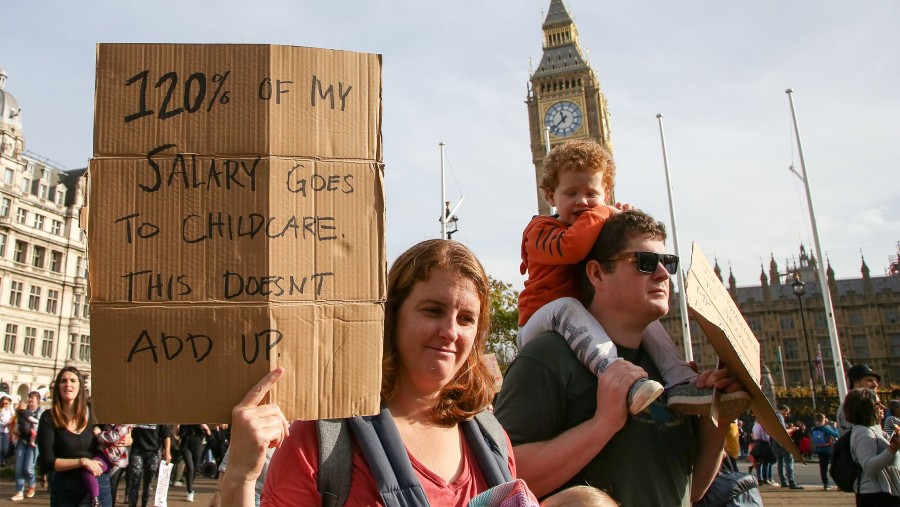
x: 564, y: 95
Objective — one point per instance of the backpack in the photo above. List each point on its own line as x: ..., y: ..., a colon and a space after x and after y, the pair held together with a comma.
x: 386, y: 456
x: 845, y: 471
x: 820, y: 438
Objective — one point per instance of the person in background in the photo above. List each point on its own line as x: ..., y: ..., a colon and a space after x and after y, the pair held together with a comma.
x: 149, y: 444
x: 745, y: 437
x: 25, y: 436
x: 823, y: 437
x: 69, y: 447
x: 114, y: 440
x: 191, y: 448
x: 763, y: 455
x: 879, y: 484
x: 784, y: 456
x: 6, y: 417
x: 733, y: 445
x: 858, y: 376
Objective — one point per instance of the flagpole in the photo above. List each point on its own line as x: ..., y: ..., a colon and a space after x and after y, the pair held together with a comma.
x: 682, y: 303
x: 443, y: 196
x: 820, y: 265
x: 781, y: 367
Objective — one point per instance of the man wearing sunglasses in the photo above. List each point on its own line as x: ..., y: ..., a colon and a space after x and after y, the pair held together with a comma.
x: 570, y: 427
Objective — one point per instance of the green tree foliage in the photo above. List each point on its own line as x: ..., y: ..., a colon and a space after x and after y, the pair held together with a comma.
x: 504, y: 322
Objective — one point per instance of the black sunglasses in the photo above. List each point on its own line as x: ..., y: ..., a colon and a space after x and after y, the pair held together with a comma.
x: 646, y: 262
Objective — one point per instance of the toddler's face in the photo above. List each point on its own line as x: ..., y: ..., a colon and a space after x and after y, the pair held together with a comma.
x: 575, y: 193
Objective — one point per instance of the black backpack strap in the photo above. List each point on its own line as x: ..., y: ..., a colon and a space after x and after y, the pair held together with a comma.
x: 487, y: 440
x: 335, y: 461
x: 380, y: 442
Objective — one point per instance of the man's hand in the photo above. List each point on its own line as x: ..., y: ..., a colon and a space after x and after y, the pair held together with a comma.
x: 722, y: 380
x: 612, y: 393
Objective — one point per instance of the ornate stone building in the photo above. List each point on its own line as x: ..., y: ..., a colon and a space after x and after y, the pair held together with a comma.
x: 867, y: 313
x: 564, y: 95
x: 43, y: 265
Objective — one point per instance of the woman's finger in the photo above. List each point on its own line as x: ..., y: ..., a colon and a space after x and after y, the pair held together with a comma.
x: 258, y: 392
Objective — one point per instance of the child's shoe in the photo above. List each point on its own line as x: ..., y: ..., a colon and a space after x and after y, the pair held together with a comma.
x: 688, y: 399
x: 29, y: 493
x: 642, y: 394
x: 20, y: 495
x: 190, y: 496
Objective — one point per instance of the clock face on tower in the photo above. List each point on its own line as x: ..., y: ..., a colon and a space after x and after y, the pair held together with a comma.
x: 563, y: 118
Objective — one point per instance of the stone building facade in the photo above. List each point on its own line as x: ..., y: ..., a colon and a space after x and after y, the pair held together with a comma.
x: 867, y: 313
x: 44, y: 310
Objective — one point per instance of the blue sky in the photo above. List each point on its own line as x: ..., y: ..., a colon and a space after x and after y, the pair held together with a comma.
x: 457, y: 71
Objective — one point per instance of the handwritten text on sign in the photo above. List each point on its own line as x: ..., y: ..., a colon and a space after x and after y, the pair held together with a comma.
x: 236, y: 223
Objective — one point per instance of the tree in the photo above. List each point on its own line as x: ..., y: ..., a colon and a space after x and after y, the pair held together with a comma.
x: 504, y: 322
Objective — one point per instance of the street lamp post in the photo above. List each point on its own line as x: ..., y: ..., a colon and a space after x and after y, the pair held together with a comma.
x: 799, y: 290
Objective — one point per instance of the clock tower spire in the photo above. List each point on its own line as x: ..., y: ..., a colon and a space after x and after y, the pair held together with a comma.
x: 564, y: 95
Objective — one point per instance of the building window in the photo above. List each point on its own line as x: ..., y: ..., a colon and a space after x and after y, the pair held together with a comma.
x: 21, y: 215
x: 790, y: 350
x: 786, y: 321
x: 15, y: 294
x: 73, y: 344
x: 84, y: 349
x: 26, y: 185
x: 76, y: 305
x: 9, y: 176
x: 855, y: 318
x: 890, y: 314
x: 43, y: 191
x: 37, y: 256
x: 81, y: 267
x: 5, y: 204
x: 860, y: 345
x: 754, y: 323
x: 34, y: 299
x: 825, y: 345
x: 47, y: 343
x: 2, y: 245
x: 30, y: 340
x: 819, y: 320
x: 56, y: 227
x: 9, y: 341
x: 55, y: 261
x: 52, y: 301
x: 21, y: 250
x: 39, y: 221
x: 60, y: 197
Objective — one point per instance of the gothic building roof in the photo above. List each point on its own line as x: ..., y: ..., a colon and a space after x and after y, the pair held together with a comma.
x: 562, y: 55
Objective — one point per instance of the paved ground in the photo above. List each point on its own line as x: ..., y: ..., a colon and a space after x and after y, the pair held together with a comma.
x: 807, y: 475
x: 204, y: 488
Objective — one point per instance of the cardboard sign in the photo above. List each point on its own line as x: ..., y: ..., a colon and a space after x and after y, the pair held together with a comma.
x: 494, y: 367
x: 235, y: 223
x: 732, y: 339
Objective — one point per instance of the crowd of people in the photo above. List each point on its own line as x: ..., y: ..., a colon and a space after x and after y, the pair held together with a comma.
x: 873, y: 447
x: 598, y: 408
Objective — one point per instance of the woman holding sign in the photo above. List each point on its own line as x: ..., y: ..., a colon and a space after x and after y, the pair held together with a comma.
x: 68, y: 447
x: 435, y: 385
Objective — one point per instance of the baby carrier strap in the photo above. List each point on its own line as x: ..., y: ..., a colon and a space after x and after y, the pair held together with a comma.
x: 335, y: 461
x: 487, y: 440
x: 383, y: 449
x: 380, y: 442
